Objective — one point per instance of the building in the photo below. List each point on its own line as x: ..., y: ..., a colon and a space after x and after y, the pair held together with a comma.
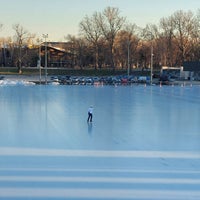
x: 175, y: 72
x: 58, y: 54
x: 192, y: 70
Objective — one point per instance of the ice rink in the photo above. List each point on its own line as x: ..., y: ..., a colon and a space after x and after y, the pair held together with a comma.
x: 143, y: 143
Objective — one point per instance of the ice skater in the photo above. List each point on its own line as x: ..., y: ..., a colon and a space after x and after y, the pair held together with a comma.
x: 90, y: 111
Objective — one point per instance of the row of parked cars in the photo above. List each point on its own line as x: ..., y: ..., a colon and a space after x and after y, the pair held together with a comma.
x: 104, y: 80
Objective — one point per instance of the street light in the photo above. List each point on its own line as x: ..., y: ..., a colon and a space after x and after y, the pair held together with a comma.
x: 150, y: 37
x: 128, y: 69
x: 39, y: 58
x: 151, y: 63
x: 45, y: 36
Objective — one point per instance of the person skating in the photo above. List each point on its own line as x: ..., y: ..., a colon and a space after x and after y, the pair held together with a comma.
x: 90, y: 114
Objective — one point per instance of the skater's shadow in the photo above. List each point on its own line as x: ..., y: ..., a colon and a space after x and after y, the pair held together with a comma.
x: 89, y: 128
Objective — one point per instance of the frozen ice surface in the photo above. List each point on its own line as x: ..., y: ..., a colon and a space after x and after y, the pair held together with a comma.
x: 125, y: 118
x: 143, y: 143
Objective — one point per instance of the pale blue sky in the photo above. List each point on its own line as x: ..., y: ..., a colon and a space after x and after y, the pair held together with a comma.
x: 59, y: 18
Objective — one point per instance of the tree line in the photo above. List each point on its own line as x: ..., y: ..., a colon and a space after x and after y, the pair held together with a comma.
x: 107, y: 40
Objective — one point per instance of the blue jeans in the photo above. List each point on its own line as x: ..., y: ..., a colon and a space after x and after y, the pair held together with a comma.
x: 89, y: 117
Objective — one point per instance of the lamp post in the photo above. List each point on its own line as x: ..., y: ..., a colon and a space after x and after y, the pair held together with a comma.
x: 128, y: 69
x: 39, y: 59
x: 151, y: 63
x: 45, y: 36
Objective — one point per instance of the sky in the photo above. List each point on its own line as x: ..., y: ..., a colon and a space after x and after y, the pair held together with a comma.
x: 58, y: 18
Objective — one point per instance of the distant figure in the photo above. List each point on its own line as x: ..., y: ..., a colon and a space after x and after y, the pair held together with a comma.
x: 90, y: 110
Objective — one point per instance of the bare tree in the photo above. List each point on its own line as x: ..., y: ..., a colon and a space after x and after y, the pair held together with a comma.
x: 92, y: 32
x: 81, y: 52
x: 195, y: 39
x: 125, y: 45
x: 167, y: 30
x: 110, y: 23
x: 22, y: 37
x: 7, y: 51
x: 184, y: 28
x: 150, y: 33
x: 1, y: 42
x: 78, y: 50
x: 133, y: 41
x: 72, y: 40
